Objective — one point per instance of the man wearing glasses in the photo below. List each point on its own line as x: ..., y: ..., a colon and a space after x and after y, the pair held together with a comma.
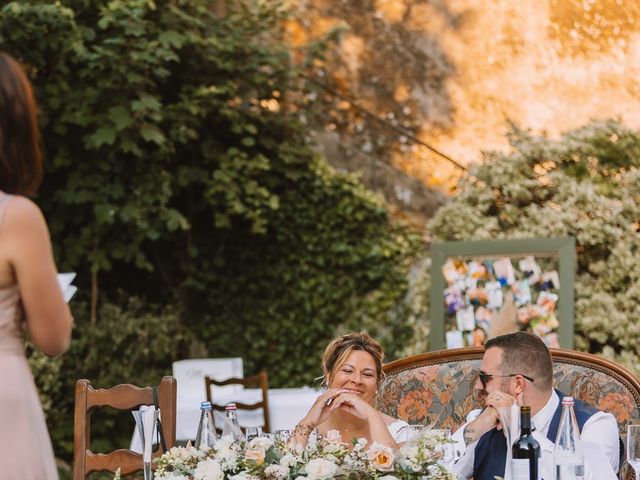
x: 516, y: 369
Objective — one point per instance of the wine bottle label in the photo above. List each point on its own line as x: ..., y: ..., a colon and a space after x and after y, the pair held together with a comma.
x: 520, y: 469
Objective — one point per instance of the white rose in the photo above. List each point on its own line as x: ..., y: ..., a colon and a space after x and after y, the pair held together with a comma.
x: 276, y: 471
x: 381, y: 457
x: 410, y: 452
x: 319, y: 468
x: 208, y: 470
x: 333, y: 436
x: 288, y: 459
x: 333, y: 447
x: 261, y: 442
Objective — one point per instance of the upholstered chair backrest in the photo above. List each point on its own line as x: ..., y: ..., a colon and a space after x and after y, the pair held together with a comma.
x: 436, y: 388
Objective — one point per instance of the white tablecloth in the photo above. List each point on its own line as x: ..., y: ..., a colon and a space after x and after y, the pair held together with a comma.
x: 286, y: 407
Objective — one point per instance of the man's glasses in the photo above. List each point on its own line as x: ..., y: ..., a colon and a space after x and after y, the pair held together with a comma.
x: 485, y: 377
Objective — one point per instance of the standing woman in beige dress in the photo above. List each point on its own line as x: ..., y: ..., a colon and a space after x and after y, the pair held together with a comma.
x: 29, y: 292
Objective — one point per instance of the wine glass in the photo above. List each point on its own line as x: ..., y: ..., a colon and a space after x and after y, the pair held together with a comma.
x: 252, y: 432
x: 633, y: 448
x: 283, y: 435
x: 448, y: 453
x: 412, y: 431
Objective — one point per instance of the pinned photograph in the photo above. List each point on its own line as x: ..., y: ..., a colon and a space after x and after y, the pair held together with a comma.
x: 477, y: 270
x: 521, y: 292
x: 465, y: 319
x: 483, y: 314
x: 531, y: 269
x: 547, y: 301
x: 526, y: 313
x: 504, y: 271
x: 478, y: 296
x: 479, y: 336
x: 550, y: 280
x: 453, y: 299
x: 544, y: 324
x: 454, y: 339
x: 450, y: 272
x: 471, y: 283
x: 494, y: 295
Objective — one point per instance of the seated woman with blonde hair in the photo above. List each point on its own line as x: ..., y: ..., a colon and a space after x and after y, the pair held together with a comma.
x: 352, y: 366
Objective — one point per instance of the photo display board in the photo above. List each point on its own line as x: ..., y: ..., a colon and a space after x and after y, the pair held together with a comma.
x: 484, y: 289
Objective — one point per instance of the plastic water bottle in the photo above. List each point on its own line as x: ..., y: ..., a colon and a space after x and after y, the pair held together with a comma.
x: 231, y: 426
x: 568, y: 459
x: 206, y: 436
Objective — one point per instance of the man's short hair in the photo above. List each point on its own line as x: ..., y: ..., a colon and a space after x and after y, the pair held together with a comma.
x: 525, y: 353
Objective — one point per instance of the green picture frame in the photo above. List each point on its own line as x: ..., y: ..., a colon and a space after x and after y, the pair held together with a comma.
x: 561, y: 247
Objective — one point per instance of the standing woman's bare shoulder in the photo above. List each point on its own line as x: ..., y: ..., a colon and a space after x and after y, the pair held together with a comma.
x: 25, y: 239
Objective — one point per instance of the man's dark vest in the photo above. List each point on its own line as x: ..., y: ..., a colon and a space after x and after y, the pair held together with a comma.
x: 491, y: 450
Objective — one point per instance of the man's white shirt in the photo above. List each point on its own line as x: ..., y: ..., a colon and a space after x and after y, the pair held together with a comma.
x: 599, y: 436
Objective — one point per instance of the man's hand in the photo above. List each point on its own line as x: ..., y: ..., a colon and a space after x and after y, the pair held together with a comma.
x: 499, y: 399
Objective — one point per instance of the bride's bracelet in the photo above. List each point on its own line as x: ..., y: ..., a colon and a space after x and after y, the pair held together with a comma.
x: 302, y: 429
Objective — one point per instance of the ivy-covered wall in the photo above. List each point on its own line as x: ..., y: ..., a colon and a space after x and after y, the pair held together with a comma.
x: 181, y: 187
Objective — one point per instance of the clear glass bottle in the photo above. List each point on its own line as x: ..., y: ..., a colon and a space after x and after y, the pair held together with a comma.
x: 231, y: 426
x: 568, y: 459
x: 525, y: 450
x: 206, y: 436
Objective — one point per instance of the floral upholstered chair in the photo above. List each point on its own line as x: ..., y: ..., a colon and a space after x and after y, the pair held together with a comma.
x: 436, y: 388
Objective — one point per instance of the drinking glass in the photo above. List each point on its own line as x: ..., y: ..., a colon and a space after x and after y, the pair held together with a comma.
x: 448, y: 452
x: 252, y: 432
x: 633, y: 448
x: 283, y: 435
x: 412, y: 431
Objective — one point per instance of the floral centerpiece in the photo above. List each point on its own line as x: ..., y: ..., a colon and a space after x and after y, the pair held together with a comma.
x: 264, y: 458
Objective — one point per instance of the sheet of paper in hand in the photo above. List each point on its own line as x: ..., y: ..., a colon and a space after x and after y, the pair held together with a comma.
x: 64, y: 280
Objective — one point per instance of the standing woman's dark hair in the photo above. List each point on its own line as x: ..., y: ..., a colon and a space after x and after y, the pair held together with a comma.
x: 20, y: 154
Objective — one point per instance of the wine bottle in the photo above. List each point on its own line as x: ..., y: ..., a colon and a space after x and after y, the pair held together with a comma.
x: 525, y: 450
x: 568, y: 459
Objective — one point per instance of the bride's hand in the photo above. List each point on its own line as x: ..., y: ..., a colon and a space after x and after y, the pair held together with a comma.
x: 321, y: 408
x: 353, y: 404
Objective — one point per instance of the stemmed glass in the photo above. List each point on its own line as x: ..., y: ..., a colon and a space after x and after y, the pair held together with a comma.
x: 252, y: 432
x: 633, y: 448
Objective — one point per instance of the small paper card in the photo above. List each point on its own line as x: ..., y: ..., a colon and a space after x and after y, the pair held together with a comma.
x: 64, y: 281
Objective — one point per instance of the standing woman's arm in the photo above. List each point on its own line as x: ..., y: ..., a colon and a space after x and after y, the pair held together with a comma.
x: 26, y: 237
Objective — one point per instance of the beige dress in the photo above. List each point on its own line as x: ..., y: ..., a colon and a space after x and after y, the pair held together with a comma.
x: 25, y: 447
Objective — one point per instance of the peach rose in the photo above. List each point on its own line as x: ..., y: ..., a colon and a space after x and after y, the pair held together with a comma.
x: 381, y: 457
x: 256, y: 455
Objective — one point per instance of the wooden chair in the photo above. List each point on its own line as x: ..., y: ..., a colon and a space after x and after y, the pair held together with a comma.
x: 260, y: 380
x: 436, y: 388
x: 120, y: 397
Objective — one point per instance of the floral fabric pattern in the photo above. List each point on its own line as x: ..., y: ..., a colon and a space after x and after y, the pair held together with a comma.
x: 441, y: 395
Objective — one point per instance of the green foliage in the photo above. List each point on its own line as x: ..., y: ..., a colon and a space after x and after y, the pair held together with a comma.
x: 587, y: 185
x: 179, y: 171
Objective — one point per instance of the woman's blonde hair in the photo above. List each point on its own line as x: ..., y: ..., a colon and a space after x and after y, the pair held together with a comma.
x: 337, y: 351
